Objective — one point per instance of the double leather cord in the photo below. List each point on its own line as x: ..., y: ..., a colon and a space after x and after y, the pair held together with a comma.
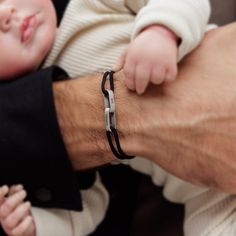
x: 110, y: 119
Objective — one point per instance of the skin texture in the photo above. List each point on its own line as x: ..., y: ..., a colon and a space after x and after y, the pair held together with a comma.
x: 23, y: 49
x: 150, y: 58
x: 187, y: 127
x: 15, y: 216
x: 21, y: 52
x: 28, y: 51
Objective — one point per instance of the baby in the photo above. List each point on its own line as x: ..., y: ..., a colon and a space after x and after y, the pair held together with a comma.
x: 91, y: 37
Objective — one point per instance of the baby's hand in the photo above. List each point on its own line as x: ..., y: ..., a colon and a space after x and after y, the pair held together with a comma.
x: 150, y: 58
x: 15, y: 214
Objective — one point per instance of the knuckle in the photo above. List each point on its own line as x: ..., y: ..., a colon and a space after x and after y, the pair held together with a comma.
x: 17, y: 231
x: 157, y: 76
x: 7, y: 206
x: 156, y: 80
x: 10, y: 222
x: 173, y: 71
x: 128, y: 74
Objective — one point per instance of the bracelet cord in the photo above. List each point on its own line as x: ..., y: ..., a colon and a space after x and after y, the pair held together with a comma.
x: 110, y: 119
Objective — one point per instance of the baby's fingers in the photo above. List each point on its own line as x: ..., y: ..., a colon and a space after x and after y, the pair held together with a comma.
x: 3, y: 192
x: 171, y: 73
x: 14, y: 189
x: 11, y: 203
x: 158, y: 75
x: 129, y: 72
x: 142, y: 77
x: 18, y: 215
x: 121, y: 60
x: 25, y: 228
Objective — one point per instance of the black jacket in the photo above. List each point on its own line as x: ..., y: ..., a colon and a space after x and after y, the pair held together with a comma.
x: 31, y: 147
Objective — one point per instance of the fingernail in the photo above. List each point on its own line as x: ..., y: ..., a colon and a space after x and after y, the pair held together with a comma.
x: 4, y: 189
x: 130, y: 86
x: 170, y: 77
x: 19, y: 186
x: 28, y: 204
x: 140, y: 91
x: 22, y: 193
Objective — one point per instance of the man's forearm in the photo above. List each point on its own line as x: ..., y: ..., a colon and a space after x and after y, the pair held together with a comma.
x: 183, y: 127
x: 80, y: 109
x: 194, y: 134
x: 79, y: 106
x: 187, y: 127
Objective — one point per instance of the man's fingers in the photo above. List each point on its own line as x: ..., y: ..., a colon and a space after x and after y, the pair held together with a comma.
x: 11, y: 203
x: 12, y: 220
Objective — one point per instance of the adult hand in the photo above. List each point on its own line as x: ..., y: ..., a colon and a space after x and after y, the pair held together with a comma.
x: 188, y: 127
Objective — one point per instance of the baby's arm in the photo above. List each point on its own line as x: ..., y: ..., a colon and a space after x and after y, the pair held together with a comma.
x: 15, y: 214
x: 74, y: 223
x: 19, y: 219
x: 150, y: 58
x: 186, y: 20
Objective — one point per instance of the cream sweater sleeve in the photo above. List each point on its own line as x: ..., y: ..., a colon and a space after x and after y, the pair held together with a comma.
x: 186, y: 18
x: 51, y: 222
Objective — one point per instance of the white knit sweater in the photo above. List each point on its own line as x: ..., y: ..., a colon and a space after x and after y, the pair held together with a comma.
x: 93, y: 32
x: 90, y: 38
x: 58, y: 222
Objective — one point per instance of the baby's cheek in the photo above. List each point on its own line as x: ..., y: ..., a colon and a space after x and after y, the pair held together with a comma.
x: 14, y: 72
x: 25, y: 66
x: 35, y: 59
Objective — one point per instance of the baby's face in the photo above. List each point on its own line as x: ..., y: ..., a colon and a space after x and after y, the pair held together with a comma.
x: 27, y: 31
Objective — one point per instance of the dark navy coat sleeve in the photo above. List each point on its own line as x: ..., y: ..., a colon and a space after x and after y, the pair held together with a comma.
x: 32, y: 151
x: 31, y: 146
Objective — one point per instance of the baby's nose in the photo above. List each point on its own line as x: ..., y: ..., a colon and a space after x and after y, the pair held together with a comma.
x: 6, y: 13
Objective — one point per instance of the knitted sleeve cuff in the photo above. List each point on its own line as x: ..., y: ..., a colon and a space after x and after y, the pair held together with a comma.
x: 187, y: 19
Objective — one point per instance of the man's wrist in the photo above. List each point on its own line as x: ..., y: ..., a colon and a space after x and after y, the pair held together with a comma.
x: 79, y: 106
x: 80, y: 110
x: 130, y: 118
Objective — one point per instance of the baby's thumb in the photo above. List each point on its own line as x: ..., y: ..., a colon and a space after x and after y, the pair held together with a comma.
x: 121, y: 60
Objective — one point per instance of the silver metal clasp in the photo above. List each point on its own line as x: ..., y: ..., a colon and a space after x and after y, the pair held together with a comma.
x: 110, y: 119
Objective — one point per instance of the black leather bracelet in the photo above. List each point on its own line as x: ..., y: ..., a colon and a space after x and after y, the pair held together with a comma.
x: 110, y: 119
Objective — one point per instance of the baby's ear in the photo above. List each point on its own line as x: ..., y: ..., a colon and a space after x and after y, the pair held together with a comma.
x: 121, y: 60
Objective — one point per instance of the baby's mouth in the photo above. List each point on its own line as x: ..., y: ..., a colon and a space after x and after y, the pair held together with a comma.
x: 27, y: 28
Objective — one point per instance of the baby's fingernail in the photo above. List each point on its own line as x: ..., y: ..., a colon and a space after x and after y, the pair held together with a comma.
x: 4, y: 189
x: 22, y: 194
x: 139, y: 91
x: 19, y: 186
x: 131, y: 88
x: 169, y: 79
x: 116, y: 68
x: 130, y: 84
x: 27, y: 204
